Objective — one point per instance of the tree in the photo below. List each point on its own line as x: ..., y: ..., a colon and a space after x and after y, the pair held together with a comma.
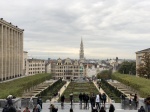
x: 144, y: 68
x: 127, y: 67
x: 105, y: 74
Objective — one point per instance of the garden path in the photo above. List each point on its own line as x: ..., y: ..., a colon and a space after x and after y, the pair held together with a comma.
x: 102, y: 91
x: 55, y: 99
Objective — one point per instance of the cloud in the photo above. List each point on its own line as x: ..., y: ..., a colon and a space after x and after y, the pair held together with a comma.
x: 53, y: 29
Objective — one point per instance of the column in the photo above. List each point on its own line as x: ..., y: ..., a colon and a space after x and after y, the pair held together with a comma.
x: 5, y: 53
x: 14, y: 53
x: 8, y: 52
x: 11, y: 52
x: 1, y: 52
x: 21, y: 52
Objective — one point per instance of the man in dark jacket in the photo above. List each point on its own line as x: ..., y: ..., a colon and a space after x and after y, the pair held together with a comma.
x: 80, y: 98
x: 62, y: 100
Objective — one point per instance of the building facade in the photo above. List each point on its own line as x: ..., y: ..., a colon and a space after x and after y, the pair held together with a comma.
x: 11, y: 51
x: 36, y: 66
x: 139, y: 55
x: 68, y: 69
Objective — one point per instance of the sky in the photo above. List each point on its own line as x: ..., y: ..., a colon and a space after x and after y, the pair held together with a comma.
x: 53, y: 28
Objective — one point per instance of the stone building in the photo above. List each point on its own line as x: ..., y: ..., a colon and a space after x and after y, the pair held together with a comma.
x: 68, y: 69
x: 139, y: 55
x: 11, y: 51
x: 36, y: 66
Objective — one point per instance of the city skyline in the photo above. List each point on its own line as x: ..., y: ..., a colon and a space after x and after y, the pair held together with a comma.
x: 53, y: 29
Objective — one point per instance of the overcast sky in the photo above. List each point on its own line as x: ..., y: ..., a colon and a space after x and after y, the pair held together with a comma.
x: 53, y: 28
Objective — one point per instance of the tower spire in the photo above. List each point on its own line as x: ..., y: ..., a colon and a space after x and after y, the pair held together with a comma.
x: 81, y: 51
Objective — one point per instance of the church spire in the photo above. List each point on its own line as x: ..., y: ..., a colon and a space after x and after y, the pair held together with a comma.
x: 81, y: 51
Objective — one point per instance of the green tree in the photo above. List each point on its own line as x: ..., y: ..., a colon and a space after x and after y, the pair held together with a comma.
x: 127, y: 67
x: 144, y: 67
x: 105, y: 74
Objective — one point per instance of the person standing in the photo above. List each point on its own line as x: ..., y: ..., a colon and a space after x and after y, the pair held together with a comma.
x: 31, y: 102
x: 136, y: 100
x: 97, y: 102
x: 102, y: 109
x: 39, y: 101
x: 104, y: 97
x: 147, y: 102
x: 26, y: 110
x: 62, y: 100
x: 80, y: 99
x: 71, y: 98
x: 111, y: 108
x: 86, y: 101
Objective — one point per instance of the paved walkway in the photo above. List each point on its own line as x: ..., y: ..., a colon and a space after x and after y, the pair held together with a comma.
x: 76, y: 108
x: 102, y: 91
x: 55, y: 99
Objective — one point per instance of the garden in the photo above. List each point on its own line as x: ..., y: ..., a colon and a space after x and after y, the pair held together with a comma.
x: 52, y: 91
x: 77, y: 88
x: 16, y: 87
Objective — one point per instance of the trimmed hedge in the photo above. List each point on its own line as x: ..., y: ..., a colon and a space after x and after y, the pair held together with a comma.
x: 51, y: 90
x: 140, y: 84
x: 16, y: 87
x: 111, y: 91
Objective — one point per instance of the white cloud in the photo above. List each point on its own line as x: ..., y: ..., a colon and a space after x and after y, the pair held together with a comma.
x: 54, y: 28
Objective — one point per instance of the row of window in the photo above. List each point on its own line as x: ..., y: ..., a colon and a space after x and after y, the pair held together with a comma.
x: 36, y: 68
x: 35, y: 72
x: 36, y: 64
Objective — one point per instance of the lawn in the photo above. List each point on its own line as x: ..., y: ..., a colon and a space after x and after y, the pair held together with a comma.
x: 140, y: 84
x: 76, y: 88
x: 17, y: 86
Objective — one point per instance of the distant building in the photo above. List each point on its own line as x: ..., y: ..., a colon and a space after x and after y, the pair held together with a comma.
x: 36, y: 66
x: 139, y: 55
x: 67, y: 69
x: 11, y: 51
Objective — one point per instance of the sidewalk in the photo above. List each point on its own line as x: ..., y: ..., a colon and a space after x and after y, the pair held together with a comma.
x: 102, y: 91
x: 55, y: 99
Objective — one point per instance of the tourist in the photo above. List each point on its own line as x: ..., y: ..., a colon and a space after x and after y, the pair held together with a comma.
x: 141, y: 109
x: 83, y: 96
x: 102, y: 109
x: 111, y: 108
x: 135, y: 100
x: 91, y: 101
x: 71, y: 110
x: 9, y: 100
x: 35, y: 109
x: 31, y: 102
x: 80, y: 99
x: 26, y: 110
x: 130, y: 99
x: 100, y: 96
x: 39, y: 101
x: 12, y: 109
x: 86, y: 101
x: 39, y: 107
x: 104, y: 98
x: 97, y: 102
x: 5, y: 108
x: 71, y: 98
x: 62, y: 99
x: 147, y: 102
x: 52, y: 108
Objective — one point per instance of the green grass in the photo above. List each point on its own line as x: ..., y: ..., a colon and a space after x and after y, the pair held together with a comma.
x: 140, y: 84
x: 17, y: 86
x: 76, y: 88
